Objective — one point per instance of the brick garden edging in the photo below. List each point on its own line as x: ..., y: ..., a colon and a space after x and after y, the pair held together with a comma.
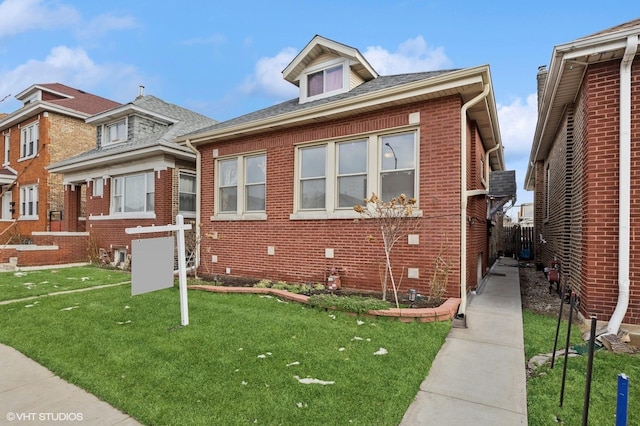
x: 444, y: 312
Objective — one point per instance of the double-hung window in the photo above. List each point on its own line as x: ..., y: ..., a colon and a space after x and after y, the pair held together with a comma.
x: 241, y: 187
x: 398, y: 169
x: 98, y: 187
x: 29, y: 137
x: 7, y: 205
x: 29, y: 201
x: 115, y: 132
x: 333, y: 177
x: 187, y: 194
x: 133, y: 193
x: 324, y: 80
x: 7, y: 147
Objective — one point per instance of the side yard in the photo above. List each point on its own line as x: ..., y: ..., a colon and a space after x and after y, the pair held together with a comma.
x: 540, y: 314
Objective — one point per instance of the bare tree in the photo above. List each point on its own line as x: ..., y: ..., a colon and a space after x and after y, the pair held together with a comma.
x: 395, y: 219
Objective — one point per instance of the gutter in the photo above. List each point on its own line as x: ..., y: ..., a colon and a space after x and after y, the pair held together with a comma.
x: 464, y: 194
x: 624, y: 213
x: 198, y: 197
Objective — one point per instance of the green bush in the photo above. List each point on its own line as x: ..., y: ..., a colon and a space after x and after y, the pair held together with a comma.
x: 357, y: 304
x: 264, y: 284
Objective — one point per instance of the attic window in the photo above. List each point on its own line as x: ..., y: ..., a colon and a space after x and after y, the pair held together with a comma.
x: 115, y: 132
x: 324, y: 80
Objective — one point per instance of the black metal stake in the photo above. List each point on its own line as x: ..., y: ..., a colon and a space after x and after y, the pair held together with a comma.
x: 566, y: 349
x: 587, y: 389
x: 555, y: 342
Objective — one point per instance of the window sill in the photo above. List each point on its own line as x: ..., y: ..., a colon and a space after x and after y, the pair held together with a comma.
x: 246, y: 216
x: 26, y: 158
x: 323, y: 215
x: 137, y: 215
x: 28, y: 218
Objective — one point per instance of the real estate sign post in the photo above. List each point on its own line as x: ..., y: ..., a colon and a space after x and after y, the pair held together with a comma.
x: 147, y: 274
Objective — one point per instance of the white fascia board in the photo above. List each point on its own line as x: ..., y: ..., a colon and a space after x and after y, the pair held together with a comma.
x: 125, y: 110
x: 159, y: 162
x: 101, y: 162
x: 447, y: 82
x: 37, y: 108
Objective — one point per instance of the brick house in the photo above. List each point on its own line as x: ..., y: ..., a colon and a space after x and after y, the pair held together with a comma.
x: 584, y: 171
x: 50, y: 126
x: 134, y: 175
x: 278, y: 186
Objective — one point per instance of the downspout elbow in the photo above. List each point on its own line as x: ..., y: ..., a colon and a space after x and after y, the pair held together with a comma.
x: 624, y: 206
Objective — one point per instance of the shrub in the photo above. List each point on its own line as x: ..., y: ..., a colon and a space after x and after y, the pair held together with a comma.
x: 357, y: 304
x: 264, y: 284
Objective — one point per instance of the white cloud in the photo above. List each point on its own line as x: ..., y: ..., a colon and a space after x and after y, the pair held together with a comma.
x: 102, y: 24
x: 518, y: 124
x: 413, y: 55
x: 267, y: 77
x: 75, y: 68
x: 18, y: 16
x: 517, y: 128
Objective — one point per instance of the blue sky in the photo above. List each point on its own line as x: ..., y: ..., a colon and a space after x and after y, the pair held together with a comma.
x: 224, y: 59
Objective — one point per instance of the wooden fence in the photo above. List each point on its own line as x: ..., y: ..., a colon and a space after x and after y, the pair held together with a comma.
x: 518, y: 241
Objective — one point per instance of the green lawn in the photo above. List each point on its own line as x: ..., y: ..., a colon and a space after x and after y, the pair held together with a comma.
x: 236, y: 363
x: 543, y: 389
x: 21, y: 284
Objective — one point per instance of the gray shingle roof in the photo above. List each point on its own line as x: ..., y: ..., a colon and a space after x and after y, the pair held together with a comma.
x: 502, y: 183
x: 186, y: 121
x: 380, y: 83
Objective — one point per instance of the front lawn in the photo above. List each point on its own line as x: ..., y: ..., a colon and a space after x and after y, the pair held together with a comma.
x: 243, y: 358
x: 22, y: 284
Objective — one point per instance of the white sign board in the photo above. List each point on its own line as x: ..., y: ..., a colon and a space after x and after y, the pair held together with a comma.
x: 152, y: 264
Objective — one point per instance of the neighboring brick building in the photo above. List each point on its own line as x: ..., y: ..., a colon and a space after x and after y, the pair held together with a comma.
x: 278, y: 186
x: 50, y: 126
x: 135, y: 175
x: 585, y: 171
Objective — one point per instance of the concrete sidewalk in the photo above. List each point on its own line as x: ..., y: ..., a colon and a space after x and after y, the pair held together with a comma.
x: 478, y: 376
x: 31, y: 394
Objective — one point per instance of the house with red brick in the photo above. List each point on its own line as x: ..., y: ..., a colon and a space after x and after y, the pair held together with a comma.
x: 134, y: 174
x: 584, y: 171
x: 48, y: 127
x: 278, y: 186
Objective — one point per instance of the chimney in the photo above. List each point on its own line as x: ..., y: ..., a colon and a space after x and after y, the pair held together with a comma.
x: 542, y: 80
x: 140, y: 91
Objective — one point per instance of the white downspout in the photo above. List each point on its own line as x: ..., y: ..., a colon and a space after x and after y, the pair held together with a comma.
x: 198, y: 196
x: 463, y: 197
x: 624, y: 218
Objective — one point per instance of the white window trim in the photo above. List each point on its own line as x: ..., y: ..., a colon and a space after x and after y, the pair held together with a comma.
x: 23, y: 192
x: 323, y: 66
x: 240, y: 213
x: 374, y: 169
x: 25, y: 144
x: 187, y: 214
x: 105, y: 138
x: 7, y: 148
x: 123, y: 214
x: 98, y: 183
x: 5, y: 206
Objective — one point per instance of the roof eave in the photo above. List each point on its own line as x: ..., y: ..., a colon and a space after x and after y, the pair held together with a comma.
x: 467, y: 83
x: 36, y: 108
x: 121, y: 157
x: 125, y: 110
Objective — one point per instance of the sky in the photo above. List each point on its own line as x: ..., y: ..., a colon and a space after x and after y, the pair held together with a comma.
x: 224, y: 59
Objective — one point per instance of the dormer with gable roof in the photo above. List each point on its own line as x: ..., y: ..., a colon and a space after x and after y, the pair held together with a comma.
x: 325, y: 68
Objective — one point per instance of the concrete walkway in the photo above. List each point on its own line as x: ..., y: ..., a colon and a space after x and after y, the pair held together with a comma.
x: 31, y: 394
x: 478, y: 377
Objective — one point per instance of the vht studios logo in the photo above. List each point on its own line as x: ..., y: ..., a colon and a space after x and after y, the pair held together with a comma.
x: 44, y: 417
